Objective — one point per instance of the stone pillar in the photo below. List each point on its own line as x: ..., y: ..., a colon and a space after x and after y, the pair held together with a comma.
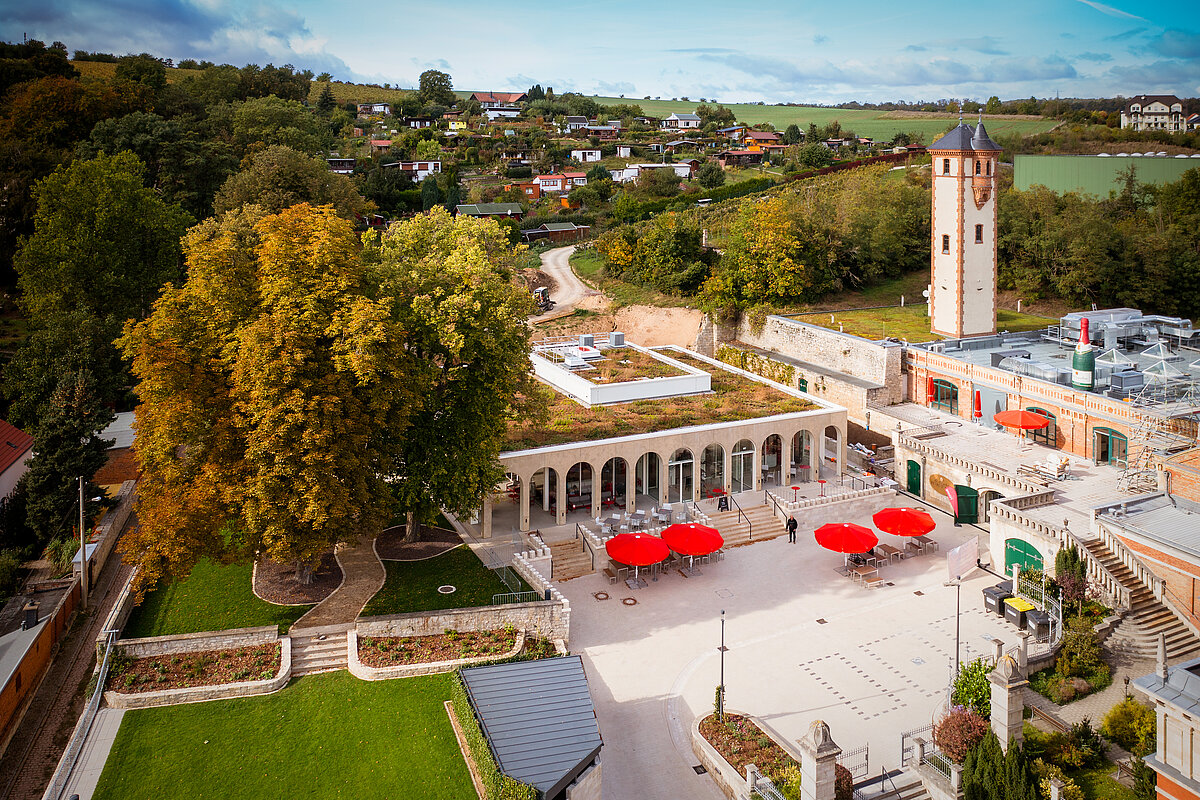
x: 662, y: 480
x: 726, y: 474
x: 818, y: 762
x: 546, y: 489
x: 752, y: 775
x: 485, y: 518
x: 956, y: 777
x: 997, y: 651
x: 785, y: 463
x: 526, y: 489
x: 758, y: 469
x: 1008, y: 681
x: 918, y: 751
x: 560, y: 514
x: 630, y: 489
x: 924, y: 476
x: 1023, y: 652
x: 1056, y: 787
x: 597, y: 486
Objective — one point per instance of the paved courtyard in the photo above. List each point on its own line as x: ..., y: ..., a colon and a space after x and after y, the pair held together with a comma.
x: 805, y: 643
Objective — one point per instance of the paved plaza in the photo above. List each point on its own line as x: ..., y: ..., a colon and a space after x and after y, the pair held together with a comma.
x: 805, y: 643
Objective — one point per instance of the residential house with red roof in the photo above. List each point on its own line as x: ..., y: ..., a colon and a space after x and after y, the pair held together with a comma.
x: 499, y: 99
x: 16, y: 448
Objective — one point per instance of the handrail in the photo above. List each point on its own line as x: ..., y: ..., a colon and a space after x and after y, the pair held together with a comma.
x: 774, y: 501
x: 70, y: 757
x: 742, y: 517
x: 581, y: 533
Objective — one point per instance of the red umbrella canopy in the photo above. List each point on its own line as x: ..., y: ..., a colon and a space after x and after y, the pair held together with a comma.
x: 846, y: 537
x: 1025, y: 420
x: 691, y: 539
x: 904, y: 521
x: 637, y: 549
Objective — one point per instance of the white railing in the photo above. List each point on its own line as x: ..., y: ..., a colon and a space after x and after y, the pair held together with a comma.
x: 70, y: 756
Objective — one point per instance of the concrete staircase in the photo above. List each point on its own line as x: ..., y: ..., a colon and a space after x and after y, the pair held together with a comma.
x: 905, y: 786
x: 569, y: 559
x: 319, y: 649
x: 736, y: 531
x: 1138, y: 631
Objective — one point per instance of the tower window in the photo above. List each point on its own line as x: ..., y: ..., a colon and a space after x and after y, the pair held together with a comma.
x: 989, y: 168
x: 945, y: 166
x: 978, y: 234
x: 945, y: 243
x: 978, y: 168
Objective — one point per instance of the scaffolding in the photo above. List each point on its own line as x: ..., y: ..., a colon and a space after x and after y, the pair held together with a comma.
x: 1167, y: 415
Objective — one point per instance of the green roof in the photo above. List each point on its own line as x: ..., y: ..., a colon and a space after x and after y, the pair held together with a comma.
x: 561, y: 226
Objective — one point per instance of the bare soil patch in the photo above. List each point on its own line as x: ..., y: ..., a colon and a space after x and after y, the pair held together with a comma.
x: 393, y: 651
x: 741, y: 742
x: 536, y: 279
x: 390, y: 544
x: 276, y: 582
x: 649, y: 326
x: 185, y: 670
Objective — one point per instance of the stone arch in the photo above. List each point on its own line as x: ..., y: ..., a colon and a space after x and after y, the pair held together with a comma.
x: 741, y: 466
x: 773, y: 459
x: 712, y: 470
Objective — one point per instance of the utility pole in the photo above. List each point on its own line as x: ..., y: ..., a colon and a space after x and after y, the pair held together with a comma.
x: 83, y: 561
x: 721, y: 688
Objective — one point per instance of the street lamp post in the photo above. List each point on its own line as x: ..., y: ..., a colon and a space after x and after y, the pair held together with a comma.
x: 721, y: 687
x: 83, y: 562
x: 957, y: 584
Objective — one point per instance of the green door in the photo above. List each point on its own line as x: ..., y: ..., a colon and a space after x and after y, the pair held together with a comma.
x: 1022, y: 553
x: 914, y: 478
x: 968, y: 504
x: 802, y: 384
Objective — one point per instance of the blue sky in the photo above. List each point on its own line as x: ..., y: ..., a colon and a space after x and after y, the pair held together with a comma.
x: 824, y: 52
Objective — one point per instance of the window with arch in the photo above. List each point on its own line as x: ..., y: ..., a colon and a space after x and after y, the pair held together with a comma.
x: 945, y: 166
x: 978, y: 234
x: 945, y: 396
x: 1049, y: 434
x: 945, y: 243
x: 978, y: 167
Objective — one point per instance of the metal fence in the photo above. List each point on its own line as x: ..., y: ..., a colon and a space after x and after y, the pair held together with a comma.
x: 938, y: 761
x: 858, y: 761
x: 907, y: 741
x: 518, y: 597
x: 66, y: 765
x: 764, y: 788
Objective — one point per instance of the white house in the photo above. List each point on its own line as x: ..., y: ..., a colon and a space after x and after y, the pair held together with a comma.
x: 586, y: 155
x: 367, y: 109
x: 502, y: 112
x: 418, y: 170
x: 16, y: 448
x: 574, y: 123
x: 632, y: 171
x: 1154, y: 112
x: 681, y: 121
x: 624, y: 151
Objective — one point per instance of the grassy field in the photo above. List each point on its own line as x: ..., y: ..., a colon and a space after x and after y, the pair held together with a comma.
x: 875, y: 124
x: 908, y: 322
x: 214, y: 597
x: 104, y: 71
x: 588, y: 265
x: 326, y: 736
x: 413, y: 585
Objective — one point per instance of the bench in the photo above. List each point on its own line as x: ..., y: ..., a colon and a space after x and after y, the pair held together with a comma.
x: 872, y: 581
x: 612, y: 576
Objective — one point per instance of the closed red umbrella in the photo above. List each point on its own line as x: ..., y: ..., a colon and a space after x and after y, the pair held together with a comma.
x: 978, y: 406
x: 690, y: 539
x: 636, y: 550
x: 904, y: 521
x: 1025, y: 420
x: 846, y: 537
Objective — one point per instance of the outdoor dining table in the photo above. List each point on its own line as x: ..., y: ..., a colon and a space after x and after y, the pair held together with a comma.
x: 892, y: 553
x: 926, y: 542
x: 637, y: 519
x: 863, y: 571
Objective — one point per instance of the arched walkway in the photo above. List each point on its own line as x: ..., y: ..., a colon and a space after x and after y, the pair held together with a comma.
x: 772, y: 460
x: 712, y: 471
x: 681, y: 476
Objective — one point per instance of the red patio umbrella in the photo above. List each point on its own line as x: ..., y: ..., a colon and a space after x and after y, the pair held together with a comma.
x: 929, y: 392
x: 846, y: 537
x: 1024, y: 420
x: 904, y: 521
x: 690, y: 539
x: 636, y: 550
x: 978, y: 406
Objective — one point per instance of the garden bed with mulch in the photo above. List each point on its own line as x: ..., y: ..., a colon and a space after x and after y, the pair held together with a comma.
x: 741, y: 742
x: 390, y: 544
x: 185, y: 670
x: 391, y: 651
x: 276, y: 582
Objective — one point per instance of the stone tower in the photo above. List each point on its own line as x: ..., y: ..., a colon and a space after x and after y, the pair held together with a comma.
x: 963, y: 260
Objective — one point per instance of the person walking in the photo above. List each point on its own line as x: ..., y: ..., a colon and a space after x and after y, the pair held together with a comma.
x: 791, y: 529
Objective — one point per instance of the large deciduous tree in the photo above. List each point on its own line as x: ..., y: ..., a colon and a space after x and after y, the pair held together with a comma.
x: 280, y: 177
x: 435, y: 87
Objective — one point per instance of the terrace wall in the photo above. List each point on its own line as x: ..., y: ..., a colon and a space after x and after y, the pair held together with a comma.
x: 197, y: 642
x: 549, y: 619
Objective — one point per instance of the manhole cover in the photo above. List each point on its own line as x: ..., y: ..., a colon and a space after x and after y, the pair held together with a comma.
x: 918, y: 661
x: 600, y: 595
x: 447, y: 589
x: 919, y: 594
x: 629, y: 601
x: 724, y: 593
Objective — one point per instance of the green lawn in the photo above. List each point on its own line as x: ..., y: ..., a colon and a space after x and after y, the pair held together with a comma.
x: 909, y: 322
x: 875, y: 124
x: 325, y: 736
x: 412, y: 585
x: 1099, y: 784
x: 588, y: 265
x: 214, y: 597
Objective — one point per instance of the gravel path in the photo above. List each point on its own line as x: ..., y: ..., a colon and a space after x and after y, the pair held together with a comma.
x: 363, y: 576
x: 568, y: 289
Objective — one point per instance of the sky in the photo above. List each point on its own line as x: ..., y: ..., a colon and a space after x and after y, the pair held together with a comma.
x: 802, y: 52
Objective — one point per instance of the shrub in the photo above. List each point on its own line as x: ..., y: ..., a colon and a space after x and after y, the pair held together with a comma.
x: 972, y: 689
x: 10, y: 574
x: 843, y: 783
x: 958, y: 733
x: 1131, y: 725
x: 1044, y: 772
x: 1144, y: 780
x: 1080, y: 653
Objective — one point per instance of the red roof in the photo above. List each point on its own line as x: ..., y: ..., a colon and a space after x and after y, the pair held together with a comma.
x: 574, y: 174
x: 15, y: 444
x: 549, y: 177
x: 381, y: 143
x: 762, y: 135
x: 499, y: 97
x: 743, y: 153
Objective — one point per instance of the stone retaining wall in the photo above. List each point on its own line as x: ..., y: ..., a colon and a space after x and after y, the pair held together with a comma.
x: 197, y: 642
x: 545, y: 618
x: 728, y: 779
x: 109, y: 529
x: 368, y: 673
x: 199, y: 694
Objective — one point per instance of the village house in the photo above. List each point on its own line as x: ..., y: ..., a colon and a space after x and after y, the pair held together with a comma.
x: 531, y: 189
x: 374, y: 109
x: 1154, y: 112
x: 498, y: 99
x: 1193, y: 122
x: 380, y: 145
x: 682, y: 121
x: 16, y: 448
x: 415, y: 123
x: 417, y: 170
x: 574, y: 123
x: 502, y: 112
x: 740, y: 158
x: 342, y: 166
x: 586, y: 155
x: 604, y: 133
x: 624, y: 151
x: 755, y: 140
x: 556, y: 232
x: 733, y: 132
x: 575, y: 179
x: 552, y: 183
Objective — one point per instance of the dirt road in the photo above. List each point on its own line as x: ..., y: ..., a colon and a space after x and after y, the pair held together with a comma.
x: 568, y: 290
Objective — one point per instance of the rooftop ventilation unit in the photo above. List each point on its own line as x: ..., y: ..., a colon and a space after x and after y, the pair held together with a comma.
x: 586, y: 340
x: 574, y: 362
x: 1128, y: 379
x: 616, y: 339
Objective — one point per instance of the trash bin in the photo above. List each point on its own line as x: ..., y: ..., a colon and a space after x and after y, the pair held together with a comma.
x: 994, y: 597
x: 1015, y: 610
x: 1038, y: 623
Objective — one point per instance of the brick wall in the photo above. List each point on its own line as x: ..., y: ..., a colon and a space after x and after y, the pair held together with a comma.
x: 1182, y: 577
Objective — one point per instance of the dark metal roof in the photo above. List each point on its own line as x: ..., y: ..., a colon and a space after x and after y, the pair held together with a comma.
x: 964, y: 137
x: 981, y: 140
x: 538, y: 719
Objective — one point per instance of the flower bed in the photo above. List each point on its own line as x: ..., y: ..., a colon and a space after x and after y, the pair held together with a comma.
x: 740, y: 742
x: 392, y: 651
x: 186, y: 670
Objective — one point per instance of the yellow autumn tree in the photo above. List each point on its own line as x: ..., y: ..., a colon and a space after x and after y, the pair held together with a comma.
x: 762, y: 262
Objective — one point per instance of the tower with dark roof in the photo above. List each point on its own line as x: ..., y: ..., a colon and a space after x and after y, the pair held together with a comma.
x: 962, y: 296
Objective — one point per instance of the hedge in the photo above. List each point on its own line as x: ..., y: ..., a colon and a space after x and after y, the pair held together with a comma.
x: 497, y: 785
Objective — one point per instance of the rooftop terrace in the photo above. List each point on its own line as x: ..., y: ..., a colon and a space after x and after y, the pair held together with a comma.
x: 732, y: 397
